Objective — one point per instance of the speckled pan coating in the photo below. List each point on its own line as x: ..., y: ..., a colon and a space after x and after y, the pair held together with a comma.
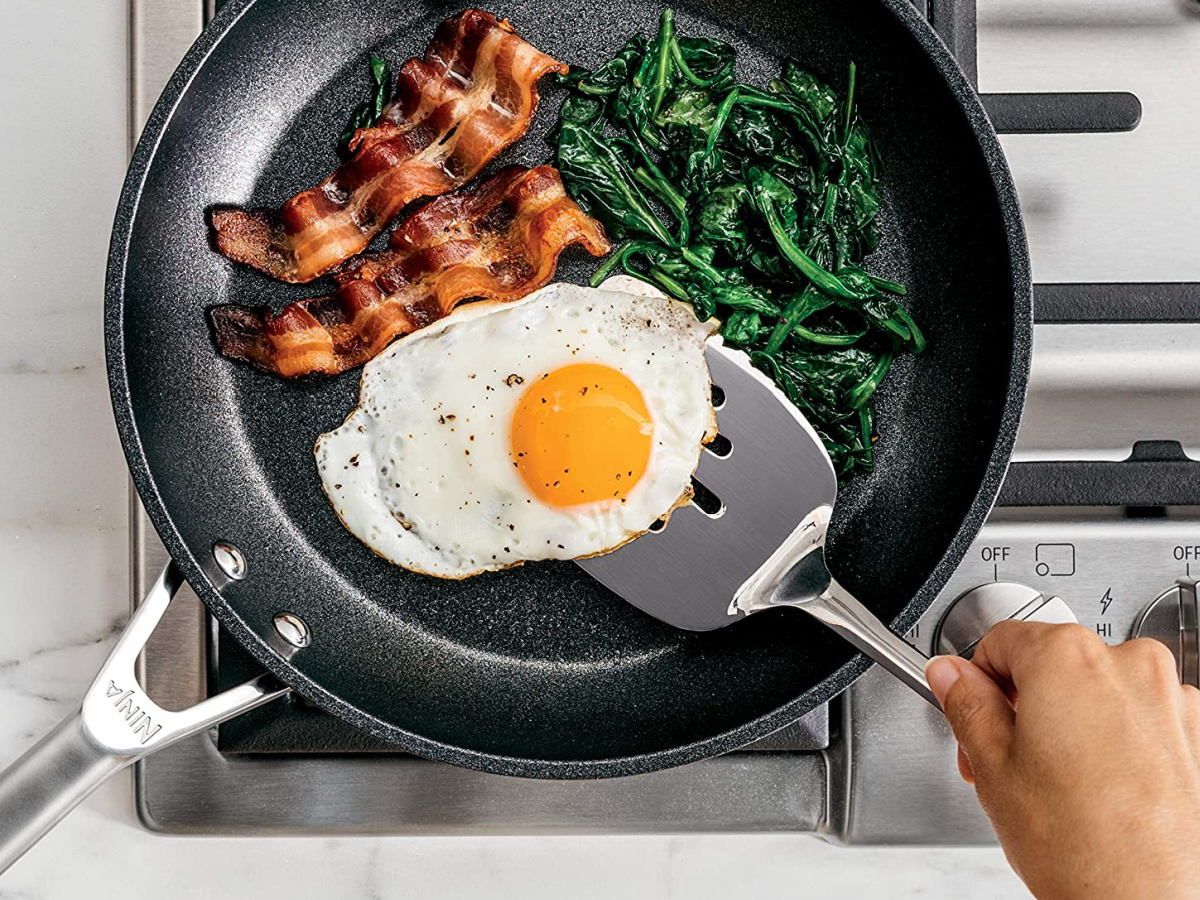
x: 539, y: 671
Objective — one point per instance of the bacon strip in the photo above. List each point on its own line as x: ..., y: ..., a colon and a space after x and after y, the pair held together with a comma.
x: 472, y: 95
x: 499, y: 241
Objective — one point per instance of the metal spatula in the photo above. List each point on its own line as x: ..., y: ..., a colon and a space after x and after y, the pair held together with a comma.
x: 754, y: 535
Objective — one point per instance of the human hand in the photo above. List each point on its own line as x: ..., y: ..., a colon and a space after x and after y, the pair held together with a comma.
x: 1085, y: 757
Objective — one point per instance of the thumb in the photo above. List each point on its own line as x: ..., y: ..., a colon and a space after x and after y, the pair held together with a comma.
x: 978, y: 711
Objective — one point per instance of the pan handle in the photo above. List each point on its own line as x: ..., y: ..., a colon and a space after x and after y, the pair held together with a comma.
x: 116, y: 725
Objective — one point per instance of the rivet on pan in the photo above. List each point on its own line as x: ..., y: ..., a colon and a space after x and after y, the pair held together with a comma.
x: 230, y: 559
x: 292, y: 629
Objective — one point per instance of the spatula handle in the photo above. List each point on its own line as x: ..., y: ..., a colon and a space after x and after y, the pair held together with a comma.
x: 857, y: 624
x: 796, y: 575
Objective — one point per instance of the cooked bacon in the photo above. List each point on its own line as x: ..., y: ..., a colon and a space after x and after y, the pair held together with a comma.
x: 499, y: 241
x: 472, y: 95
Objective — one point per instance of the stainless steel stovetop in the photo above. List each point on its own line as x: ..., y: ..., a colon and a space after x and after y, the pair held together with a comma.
x: 1102, y: 508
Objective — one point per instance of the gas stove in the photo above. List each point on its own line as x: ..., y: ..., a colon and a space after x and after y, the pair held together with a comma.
x: 1101, y: 507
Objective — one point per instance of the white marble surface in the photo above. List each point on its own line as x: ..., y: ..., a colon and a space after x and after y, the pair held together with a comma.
x: 63, y: 587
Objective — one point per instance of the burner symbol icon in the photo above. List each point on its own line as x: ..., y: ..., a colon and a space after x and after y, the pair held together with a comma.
x: 1054, y: 560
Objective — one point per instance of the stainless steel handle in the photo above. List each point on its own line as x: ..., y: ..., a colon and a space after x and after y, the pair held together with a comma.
x: 857, y: 624
x: 116, y: 725
x: 45, y: 784
x: 796, y: 575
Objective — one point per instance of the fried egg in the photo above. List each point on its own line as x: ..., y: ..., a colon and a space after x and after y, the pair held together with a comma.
x: 558, y: 426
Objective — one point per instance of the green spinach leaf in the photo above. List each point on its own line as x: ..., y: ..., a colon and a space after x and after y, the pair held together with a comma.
x: 758, y: 206
x: 367, y: 113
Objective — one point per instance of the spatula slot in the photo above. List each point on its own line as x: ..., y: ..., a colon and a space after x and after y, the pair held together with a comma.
x: 718, y: 397
x: 706, y: 501
x: 656, y: 526
x: 720, y: 447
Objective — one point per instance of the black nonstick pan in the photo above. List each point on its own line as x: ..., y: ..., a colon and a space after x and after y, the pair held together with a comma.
x: 537, y: 671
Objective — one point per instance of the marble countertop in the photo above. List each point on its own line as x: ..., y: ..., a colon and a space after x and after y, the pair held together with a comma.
x: 64, y: 565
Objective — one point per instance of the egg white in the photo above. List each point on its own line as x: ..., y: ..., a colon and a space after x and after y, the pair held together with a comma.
x: 422, y: 470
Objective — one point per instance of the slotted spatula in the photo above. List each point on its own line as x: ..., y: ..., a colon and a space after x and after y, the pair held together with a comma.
x: 753, y: 537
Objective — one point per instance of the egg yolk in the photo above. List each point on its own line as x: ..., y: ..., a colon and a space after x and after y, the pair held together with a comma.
x: 581, y: 434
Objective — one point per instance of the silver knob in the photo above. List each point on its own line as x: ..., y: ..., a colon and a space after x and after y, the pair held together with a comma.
x: 974, y: 612
x: 1172, y: 619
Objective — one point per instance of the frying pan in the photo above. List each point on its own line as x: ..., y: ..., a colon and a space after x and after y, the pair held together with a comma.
x: 537, y: 671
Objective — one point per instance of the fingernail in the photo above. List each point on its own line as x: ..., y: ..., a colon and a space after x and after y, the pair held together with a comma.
x: 942, y: 672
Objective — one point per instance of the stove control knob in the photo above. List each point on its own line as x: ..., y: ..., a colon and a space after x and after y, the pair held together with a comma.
x: 1172, y: 619
x: 971, y: 615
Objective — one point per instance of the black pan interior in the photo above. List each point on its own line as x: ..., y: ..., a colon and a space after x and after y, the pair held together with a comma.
x: 541, y: 671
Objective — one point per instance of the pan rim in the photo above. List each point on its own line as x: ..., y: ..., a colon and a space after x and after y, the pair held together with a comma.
x: 267, y: 656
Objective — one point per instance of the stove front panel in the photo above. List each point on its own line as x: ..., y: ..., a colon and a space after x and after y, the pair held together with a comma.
x: 1106, y: 566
